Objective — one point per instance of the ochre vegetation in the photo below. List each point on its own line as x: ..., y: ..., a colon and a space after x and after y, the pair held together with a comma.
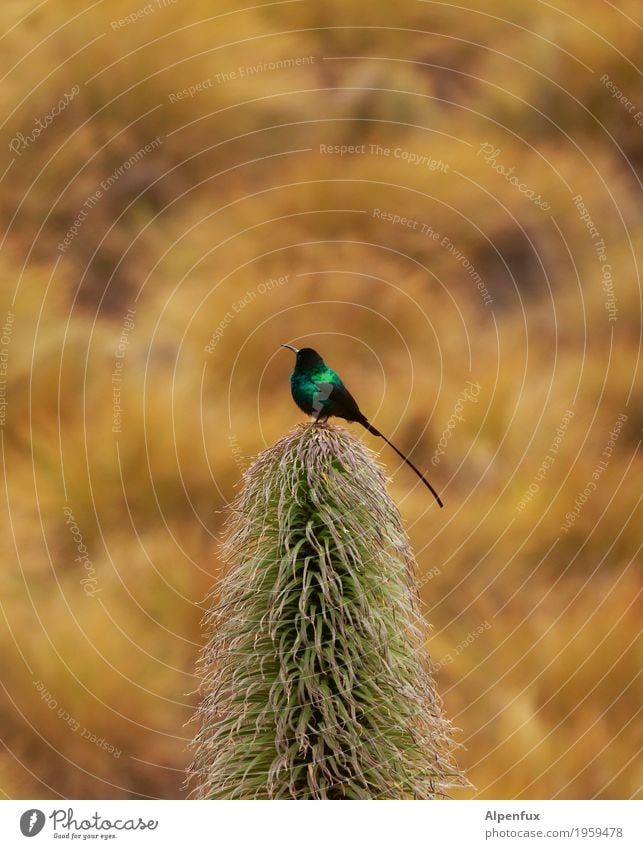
x: 140, y: 368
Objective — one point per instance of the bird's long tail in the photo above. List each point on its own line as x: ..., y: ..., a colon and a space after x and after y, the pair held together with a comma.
x: 369, y: 427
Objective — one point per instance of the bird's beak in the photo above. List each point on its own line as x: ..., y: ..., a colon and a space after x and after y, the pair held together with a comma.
x: 292, y: 348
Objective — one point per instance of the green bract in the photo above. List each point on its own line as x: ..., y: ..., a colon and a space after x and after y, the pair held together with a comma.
x: 316, y: 681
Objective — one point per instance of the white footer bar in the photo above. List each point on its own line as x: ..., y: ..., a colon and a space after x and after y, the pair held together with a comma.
x: 321, y: 825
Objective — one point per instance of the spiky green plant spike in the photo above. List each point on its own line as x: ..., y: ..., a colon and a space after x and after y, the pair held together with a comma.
x: 316, y: 682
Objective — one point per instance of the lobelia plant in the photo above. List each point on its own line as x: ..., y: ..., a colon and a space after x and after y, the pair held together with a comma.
x: 316, y: 682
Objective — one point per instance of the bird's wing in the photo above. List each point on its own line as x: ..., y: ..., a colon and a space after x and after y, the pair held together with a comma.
x: 326, y: 375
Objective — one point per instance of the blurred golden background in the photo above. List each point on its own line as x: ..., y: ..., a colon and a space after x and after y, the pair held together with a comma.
x: 443, y: 200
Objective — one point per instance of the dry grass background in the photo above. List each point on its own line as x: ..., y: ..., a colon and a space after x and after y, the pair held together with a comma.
x: 535, y: 629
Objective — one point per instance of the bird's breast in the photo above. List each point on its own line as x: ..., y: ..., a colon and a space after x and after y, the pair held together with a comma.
x: 303, y: 391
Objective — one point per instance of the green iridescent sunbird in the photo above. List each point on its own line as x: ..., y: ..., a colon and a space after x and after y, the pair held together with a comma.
x: 320, y: 392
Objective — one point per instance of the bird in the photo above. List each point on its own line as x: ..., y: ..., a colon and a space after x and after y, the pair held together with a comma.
x: 320, y: 392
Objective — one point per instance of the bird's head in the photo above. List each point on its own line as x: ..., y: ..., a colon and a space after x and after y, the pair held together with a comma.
x: 307, y: 358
